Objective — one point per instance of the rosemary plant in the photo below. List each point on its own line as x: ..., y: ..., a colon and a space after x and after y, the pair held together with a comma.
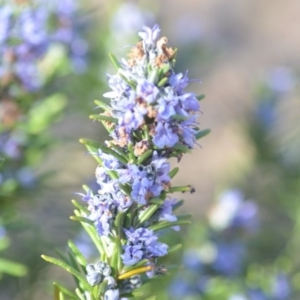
x: 150, y: 119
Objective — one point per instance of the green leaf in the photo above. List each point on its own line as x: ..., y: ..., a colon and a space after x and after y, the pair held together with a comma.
x: 65, y: 290
x: 144, y: 156
x: 114, y: 260
x: 202, y: 133
x: 86, y: 188
x: 12, y: 268
x: 101, y: 104
x: 102, y: 287
x: 74, y: 265
x: 153, y: 76
x: 131, y: 83
x: 181, y: 148
x: 166, y: 224
x: 1, y: 160
x: 173, y: 172
x: 104, y: 118
x: 79, y: 294
x: 137, y: 265
x: 164, y: 69
x: 77, y: 254
x: 131, y: 153
x: 62, y: 256
x: 185, y: 188
x: 178, y: 204
x: 200, y: 97
x: 69, y: 269
x: 147, y: 214
x: 163, y: 81
x: 104, y: 148
x: 80, y: 207
x: 119, y: 222
x: 118, y: 150
x: 92, y: 232
x: 82, y: 220
x: 156, y: 201
x: 174, y: 248
x: 92, y: 150
x: 114, y: 61
x: 56, y: 293
x: 61, y: 296
x: 126, y: 189
x: 185, y: 217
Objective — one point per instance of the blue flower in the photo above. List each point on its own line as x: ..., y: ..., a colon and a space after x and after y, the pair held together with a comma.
x: 149, y: 36
x: 147, y: 91
x: 167, y: 105
x: 142, y: 243
x: 164, y: 135
x: 132, y: 255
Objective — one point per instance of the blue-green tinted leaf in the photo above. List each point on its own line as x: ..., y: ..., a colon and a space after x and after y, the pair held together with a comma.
x: 202, y: 133
x: 69, y: 269
x: 174, y: 248
x: 114, y: 61
x: 166, y: 224
x: 101, y: 104
x: 200, y: 97
x: 173, y: 172
x: 82, y: 219
x: 77, y: 254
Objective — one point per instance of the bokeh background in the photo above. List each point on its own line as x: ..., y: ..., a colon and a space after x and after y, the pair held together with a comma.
x: 245, y: 54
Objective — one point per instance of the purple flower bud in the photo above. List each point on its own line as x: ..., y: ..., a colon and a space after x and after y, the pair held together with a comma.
x: 112, y: 295
x: 93, y: 278
x: 149, y: 35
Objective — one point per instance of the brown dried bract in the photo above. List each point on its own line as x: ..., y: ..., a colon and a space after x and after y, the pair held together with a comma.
x: 152, y: 112
x: 140, y: 148
x: 136, y: 53
x: 123, y: 137
x: 9, y: 112
x: 167, y: 53
x: 148, y: 195
x: 167, y: 186
x: 107, y: 124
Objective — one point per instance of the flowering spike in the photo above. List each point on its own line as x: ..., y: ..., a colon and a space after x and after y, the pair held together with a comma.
x: 150, y: 119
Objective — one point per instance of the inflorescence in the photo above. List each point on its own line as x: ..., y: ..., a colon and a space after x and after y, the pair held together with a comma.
x: 150, y: 119
x: 29, y: 32
x: 28, y: 29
